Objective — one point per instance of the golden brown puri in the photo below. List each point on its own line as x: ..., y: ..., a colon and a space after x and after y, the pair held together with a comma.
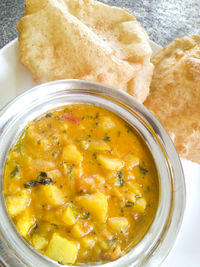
x: 85, y: 39
x: 175, y: 94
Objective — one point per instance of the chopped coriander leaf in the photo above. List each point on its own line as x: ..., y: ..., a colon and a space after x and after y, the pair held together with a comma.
x: 43, y: 174
x: 15, y: 171
x: 45, y: 181
x: 55, y: 225
x: 48, y: 115
x: 35, y: 226
x: 106, y: 138
x: 57, y: 118
x: 128, y: 128
x: 85, y: 215
x: 54, y: 153
x: 148, y: 189
x: 143, y: 170
x: 30, y: 184
x: 70, y: 170
x: 129, y: 204
x: 55, y: 138
x: 120, y: 176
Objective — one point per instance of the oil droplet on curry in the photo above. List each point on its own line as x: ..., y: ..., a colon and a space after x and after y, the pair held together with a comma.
x: 80, y: 185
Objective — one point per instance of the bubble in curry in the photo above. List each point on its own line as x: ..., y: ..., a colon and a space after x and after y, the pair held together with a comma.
x: 80, y: 185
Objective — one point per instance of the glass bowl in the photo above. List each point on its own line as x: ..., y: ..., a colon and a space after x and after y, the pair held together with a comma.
x: 160, y: 237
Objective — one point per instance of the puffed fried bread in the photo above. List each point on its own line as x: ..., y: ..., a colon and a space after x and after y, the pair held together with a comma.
x: 85, y: 39
x: 175, y: 94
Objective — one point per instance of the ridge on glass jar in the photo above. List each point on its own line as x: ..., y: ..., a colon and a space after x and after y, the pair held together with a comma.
x: 157, y: 242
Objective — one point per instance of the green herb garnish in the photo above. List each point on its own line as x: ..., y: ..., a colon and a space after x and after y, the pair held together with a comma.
x: 129, y: 204
x: 128, y: 128
x: 106, y: 138
x: 43, y: 175
x: 70, y: 170
x: 148, y: 188
x: 120, y: 176
x: 48, y: 115
x: 35, y: 226
x: 55, y: 225
x: 143, y: 170
x: 45, y: 181
x: 30, y: 184
x: 85, y: 215
x: 15, y: 171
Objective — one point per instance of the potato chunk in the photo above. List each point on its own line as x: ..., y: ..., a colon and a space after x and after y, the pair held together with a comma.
x: 68, y: 217
x: 109, y: 163
x: 61, y: 249
x: 77, y: 231
x: 24, y: 223
x: 88, y: 242
x: 103, y: 244
x: 96, y: 204
x: 81, y: 228
x: 134, y: 188
x: 39, y: 242
x: 17, y: 203
x: 130, y: 196
x: 140, y: 205
x: 99, y: 146
x: 118, y: 224
x: 71, y: 154
x: 51, y: 195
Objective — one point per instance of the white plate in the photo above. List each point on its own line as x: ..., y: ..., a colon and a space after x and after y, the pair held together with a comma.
x: 15, y: 79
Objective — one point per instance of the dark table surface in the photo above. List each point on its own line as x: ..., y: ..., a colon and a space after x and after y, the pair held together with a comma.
x: 164, y: 20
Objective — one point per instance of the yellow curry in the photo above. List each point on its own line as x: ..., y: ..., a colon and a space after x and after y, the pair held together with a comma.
x: 80, y: 185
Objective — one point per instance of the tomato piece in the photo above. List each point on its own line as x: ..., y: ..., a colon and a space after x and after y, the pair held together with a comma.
x: 71, y: 118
